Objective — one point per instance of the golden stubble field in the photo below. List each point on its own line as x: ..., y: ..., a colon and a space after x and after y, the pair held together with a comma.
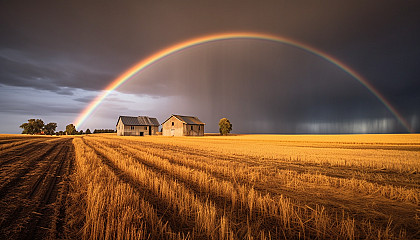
x: 213, y: 187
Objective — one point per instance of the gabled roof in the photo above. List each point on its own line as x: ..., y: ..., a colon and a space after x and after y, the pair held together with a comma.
x: 138, y: 121
x: 187, y: 119
x: 143, y: 120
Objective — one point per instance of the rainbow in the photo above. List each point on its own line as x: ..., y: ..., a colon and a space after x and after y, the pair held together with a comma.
x: 137, y: 68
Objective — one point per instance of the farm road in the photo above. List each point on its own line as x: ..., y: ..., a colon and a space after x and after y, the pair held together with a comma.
x: 33, y: 186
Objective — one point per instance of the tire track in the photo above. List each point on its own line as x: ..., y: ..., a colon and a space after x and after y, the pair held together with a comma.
x: 59, y: 218
x: 41, y: 216
x: 5, y: 141
x: 30, y: 216
x: 21, y: 151
x: 40, y: 179
x: 28, y: 167
x: 26, y: 198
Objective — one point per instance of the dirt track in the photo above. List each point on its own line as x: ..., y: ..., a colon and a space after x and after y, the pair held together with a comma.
x: 34, y: 187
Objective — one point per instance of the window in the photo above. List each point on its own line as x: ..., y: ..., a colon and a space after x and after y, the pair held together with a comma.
x: 191, y: 127
x: 172, y: 123
x: 132, y: 127
x: 145, y: 128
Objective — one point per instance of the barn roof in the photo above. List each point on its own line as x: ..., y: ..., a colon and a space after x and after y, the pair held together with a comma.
x: 138, y: 121
x: 187, y: 119
x: 143, y: 120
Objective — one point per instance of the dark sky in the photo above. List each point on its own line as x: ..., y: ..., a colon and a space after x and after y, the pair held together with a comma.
x: 56, y: 56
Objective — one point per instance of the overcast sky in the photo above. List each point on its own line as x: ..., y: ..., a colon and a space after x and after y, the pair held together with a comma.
x: 56, y: 56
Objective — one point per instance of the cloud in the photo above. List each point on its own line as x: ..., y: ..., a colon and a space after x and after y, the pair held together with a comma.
x: 55, y: 57
x: 57, y: 74
x: 86, y: 99
x: 35, y: 102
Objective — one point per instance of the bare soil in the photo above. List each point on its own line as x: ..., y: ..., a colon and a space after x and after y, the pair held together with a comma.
x: 34, y: 187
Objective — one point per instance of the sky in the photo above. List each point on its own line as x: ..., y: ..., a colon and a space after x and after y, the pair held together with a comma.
x: 57, y: 56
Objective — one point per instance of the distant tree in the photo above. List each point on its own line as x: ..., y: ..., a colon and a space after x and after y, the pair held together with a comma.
x: 27, y: 128
x: 81, y: 132
x: 71, y: 129
x: 60, y: 133
x: 39, y: 126
x: 88, y: 131
x: 50, y: 128
x: 104, y: 131
x: 225, y: 126
x: 33, y: 126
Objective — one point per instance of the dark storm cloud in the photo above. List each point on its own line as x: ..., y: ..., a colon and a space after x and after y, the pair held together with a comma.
x: 29, y: 108
x: 67, y: 46
x: 53, y: 73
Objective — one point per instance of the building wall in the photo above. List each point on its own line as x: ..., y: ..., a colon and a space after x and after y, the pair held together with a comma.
x: 155, y: 130
x: 120, y: 128
x: 181, y: 129
x: 135, y: 130
x: 123, y: 130
x: 194, y: 130
x: 176, y: 130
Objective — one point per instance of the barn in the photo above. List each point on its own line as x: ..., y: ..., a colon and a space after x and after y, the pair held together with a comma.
x: 178, y: 125
x: 137, y: 126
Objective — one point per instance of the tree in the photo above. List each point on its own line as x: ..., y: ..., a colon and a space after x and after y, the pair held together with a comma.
x: 50, y: 128
x: 88, y: 131
x: 27, y: 128
x: 225, y: 126
x: 81, y: 132
x: 33, y: 126
x: 71, y: 129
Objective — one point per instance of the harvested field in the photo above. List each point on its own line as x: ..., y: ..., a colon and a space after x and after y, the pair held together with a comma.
x: 236, y: 187
x: 34, y: 186
x: 250, y: 187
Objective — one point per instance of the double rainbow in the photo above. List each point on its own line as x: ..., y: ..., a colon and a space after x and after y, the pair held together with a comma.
x: 137, y: 68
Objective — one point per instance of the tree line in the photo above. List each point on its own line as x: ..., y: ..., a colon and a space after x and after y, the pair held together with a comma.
x: 104, y: 131
x: 37, y: 126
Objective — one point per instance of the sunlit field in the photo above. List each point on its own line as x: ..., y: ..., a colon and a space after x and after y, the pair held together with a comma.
x: 247, y: 187
x: 213, y: 187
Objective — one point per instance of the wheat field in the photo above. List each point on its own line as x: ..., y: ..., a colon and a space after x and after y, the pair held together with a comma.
x: 246, y: 187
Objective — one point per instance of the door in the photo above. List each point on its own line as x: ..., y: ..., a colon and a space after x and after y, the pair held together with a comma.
x: 150, y: 130
x: 141, y: 133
